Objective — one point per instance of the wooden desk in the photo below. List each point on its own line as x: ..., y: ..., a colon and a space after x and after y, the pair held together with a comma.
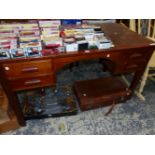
x: 131, y: 53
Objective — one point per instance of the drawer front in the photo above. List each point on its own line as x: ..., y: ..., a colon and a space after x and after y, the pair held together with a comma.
x: 27, y: 69
x: 30, y: 83
x: 135, y: 60
x: 138, y: 56
x: 115, y: 63
x: 134, y: 66
x: 101, y: 103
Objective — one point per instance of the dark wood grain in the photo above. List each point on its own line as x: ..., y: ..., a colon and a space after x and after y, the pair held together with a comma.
x: 25, y: 69
x: 100, y: 92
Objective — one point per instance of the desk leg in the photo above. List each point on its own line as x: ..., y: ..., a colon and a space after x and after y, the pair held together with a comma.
x: 15, y: 105
x: 136, y: 79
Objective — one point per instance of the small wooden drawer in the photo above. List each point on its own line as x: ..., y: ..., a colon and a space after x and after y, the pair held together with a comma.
x: 138, y: 56
x: 27, y: 68
x: 134, y: 66
x: 30, y: 83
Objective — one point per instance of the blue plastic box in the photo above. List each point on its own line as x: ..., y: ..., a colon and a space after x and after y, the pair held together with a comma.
x: 71, y: 21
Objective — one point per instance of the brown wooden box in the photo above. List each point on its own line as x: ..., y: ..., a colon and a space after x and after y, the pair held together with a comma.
x: 100, y: 92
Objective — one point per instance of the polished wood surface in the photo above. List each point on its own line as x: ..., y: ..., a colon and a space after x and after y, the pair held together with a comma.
x: 131, y: 53
x: 33, y: 82
x: 100, y: 92
x: 27, y: 69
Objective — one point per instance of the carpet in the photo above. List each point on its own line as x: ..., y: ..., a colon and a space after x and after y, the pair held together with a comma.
x: 133, y: 117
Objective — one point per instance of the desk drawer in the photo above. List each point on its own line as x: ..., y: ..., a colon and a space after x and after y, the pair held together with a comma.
x: 138, y: 56
x: 27, y: 68
x: 30, y: 83
x: 134, y: 66
x: 136, y: 60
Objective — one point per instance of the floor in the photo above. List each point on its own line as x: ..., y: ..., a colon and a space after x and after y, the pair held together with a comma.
x: 131, y: 118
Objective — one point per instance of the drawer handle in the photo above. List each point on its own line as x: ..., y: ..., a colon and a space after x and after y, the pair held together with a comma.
x: 132, y: 67
x: 137, y: 55
x: 32, y: 82
x: 30, y: 69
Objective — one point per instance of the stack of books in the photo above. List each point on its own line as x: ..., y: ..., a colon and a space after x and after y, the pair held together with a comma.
x: 85, y: 37
x: 50, y: 32
x: 20, y: 40
x: 29, y: 39
x: 8, y: 39
x: 50, y: 36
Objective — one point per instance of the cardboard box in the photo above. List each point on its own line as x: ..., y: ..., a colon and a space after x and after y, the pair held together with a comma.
x: 105, y: 44
x: 71, y: 47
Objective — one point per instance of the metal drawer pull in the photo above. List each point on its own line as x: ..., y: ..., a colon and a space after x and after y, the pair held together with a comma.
x: 32, y: 82
x: 136, y: 55
x: 30, y: 69
x: 132, y: 66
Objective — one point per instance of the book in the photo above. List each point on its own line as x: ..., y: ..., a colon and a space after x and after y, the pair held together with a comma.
x: 4, y: 54
x: 33, y: 51
x: 18, y: 53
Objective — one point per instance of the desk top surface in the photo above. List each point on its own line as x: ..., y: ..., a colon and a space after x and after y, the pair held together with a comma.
x: 121, y: 36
